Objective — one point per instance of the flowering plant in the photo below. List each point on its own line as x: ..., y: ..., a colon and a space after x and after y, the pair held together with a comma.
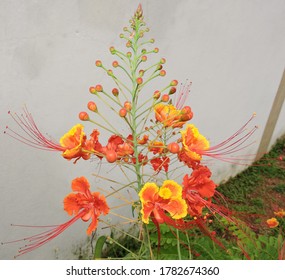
x: 160, y: 140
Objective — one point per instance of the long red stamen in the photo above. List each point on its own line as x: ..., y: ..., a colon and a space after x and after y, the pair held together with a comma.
x: 183, y: 95
x: 38, y: 240
x: 32, y: 135
x: 232, y: 145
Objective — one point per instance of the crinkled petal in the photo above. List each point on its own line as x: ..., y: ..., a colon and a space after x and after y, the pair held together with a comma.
x: 149, y: 193
x: 177, y: 208
x: 174, y: 188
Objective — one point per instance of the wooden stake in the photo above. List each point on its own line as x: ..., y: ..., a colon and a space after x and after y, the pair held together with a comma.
x: 272, y: 119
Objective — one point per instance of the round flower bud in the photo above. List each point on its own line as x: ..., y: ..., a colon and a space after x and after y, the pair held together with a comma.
x: 83, y: 116
x: 115, y: 91
x: 174, y: 83
x: 162, y: 73
x: 165, y: 98
x: 111, y: 156
x: 139, y: 80
x: 115, y: 63
x: 162, y: 60
x: 92, y: 106
x: 92, y: 90
x: 173, y: 148
x: 172, y: 90
x: 112, y: 50
x: 156, y: 50
x: 128, y: 105
x: 98, y: 63
x: 144, y: 58
x: 98, y: 88
x: 156, y: 94
x: 123, y: 112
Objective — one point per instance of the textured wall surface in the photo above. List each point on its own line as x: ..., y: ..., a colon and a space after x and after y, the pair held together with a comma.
x: 232, y: 51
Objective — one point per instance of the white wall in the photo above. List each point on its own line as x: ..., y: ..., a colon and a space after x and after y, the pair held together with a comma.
x: 232, y: 51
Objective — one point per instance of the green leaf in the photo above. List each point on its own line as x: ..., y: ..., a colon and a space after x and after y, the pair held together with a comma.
x: 99, y: 247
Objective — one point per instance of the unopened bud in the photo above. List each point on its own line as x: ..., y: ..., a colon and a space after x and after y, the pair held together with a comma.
x: 98, y: 63
x: 92, y: 90
x: 165, y: 98
x: 112, y: 50
x: 98, y: 88
x: 115, y: 64
x: 123, y: 112
x: 156, y: 94
x: 128, y: 105
x: 92, y: 106
x: 174, y: 83
x: 83, y: 116
x: 172, y: 90
x: 115, y: 91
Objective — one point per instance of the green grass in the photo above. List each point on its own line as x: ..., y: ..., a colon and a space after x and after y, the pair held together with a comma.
x: 260, y: 189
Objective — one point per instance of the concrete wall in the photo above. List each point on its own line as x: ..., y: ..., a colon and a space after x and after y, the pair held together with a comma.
x: 232, y: 51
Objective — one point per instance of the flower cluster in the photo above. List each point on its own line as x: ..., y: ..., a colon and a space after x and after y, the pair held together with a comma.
x: 159, y: 136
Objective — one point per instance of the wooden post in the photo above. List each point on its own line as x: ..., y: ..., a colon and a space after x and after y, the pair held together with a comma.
x: 272, y: 119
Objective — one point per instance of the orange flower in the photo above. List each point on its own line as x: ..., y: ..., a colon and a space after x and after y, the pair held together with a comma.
x: 73, y: 142
x: 83, y: 205
x: 170, y: 116
x: 155, y: 201
x: 280, y: 213
x: 198, y: 189
x: 195, y: 145
x: 193, y: 142
x: 272, y: 223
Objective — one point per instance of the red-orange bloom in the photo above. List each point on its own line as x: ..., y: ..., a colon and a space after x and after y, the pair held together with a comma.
x: 156, y: 201
x: 82, y: 204
x: 198, y: 189
x: 272, y: 223
x: 85, y: 204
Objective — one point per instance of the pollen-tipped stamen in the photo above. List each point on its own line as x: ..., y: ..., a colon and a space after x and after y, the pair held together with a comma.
x: 34, y: 137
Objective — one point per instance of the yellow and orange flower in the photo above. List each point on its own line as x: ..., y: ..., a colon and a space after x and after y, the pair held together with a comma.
x: 72, y: 142
x: 155, y: 201
x: 272, y: 223
x: 193, y: 143
x: 170, y: 116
